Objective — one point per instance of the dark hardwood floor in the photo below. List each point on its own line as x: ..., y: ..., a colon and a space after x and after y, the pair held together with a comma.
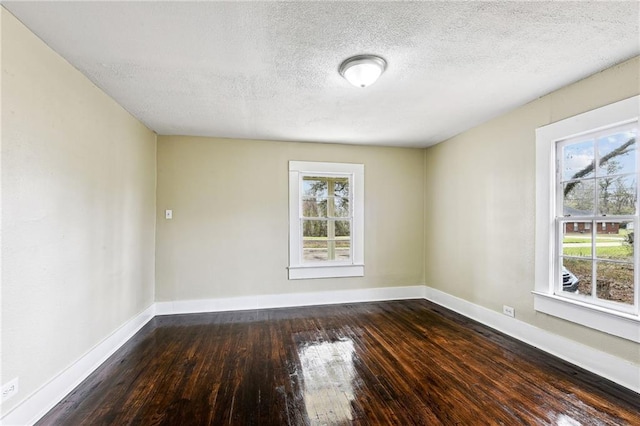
x: 401, y: 363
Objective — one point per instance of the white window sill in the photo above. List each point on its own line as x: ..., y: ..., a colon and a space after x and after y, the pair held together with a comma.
x: 325, y: 271
x: 609, y: 321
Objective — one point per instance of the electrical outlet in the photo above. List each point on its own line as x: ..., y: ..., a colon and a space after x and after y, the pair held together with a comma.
x: 10, y: 389
x: 508, y: 310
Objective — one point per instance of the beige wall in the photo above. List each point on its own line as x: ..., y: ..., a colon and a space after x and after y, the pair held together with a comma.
x: 229, y: 232
x: 480, y: 198
x: 78, y: 219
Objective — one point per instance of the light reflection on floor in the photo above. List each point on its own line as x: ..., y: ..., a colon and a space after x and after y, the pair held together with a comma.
x: 564, y: 420
x: 328, y: 373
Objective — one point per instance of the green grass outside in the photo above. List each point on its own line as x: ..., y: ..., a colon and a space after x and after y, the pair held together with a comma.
x: 321, y: 242
x: 622, y: 251
x: 599, y: 239
x: 324, y: 238
x: 618, y: 252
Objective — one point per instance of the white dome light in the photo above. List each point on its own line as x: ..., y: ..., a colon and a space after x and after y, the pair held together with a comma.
x: 363, y: 70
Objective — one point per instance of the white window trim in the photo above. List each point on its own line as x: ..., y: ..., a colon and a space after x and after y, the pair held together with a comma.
x: 354, y: 267
x: 625, y: 325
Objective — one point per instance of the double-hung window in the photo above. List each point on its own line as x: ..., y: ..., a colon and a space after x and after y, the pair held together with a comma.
x: 326, y: 220
x: 596, y: 215
x: 587, y: 256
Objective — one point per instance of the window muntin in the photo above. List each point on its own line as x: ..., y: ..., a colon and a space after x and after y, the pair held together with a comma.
x: 596, y: 182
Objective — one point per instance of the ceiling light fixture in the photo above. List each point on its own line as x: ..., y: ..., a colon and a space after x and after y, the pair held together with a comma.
x: 363, y: 70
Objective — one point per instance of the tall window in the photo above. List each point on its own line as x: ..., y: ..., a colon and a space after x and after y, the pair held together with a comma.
x: 587, y: 257
x: 326, y: 220
x: 596, y: 182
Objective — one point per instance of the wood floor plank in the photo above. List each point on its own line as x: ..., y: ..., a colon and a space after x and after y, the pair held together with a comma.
x: 402, y: 362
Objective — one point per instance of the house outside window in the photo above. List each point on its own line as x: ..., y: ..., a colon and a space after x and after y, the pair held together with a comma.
x: 326, y: 220
x: 587, y: 259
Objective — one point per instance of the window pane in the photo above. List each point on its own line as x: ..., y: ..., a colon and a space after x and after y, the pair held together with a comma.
x: 617, y: 153
x: 577, y: 239
x: 617, y: 195
x: 343, y: 228
x: 343, y: 249
x: 314, y: 186
x: 579, y: 198
x: 577, y: 160
x: 341, y: 187
x: 615, y: 282
x: 614, y: 240
x: 314, y: 207
x: 576, y: 276
x: 341, y: 207
x: 314, y: 228
x: 314, y: 250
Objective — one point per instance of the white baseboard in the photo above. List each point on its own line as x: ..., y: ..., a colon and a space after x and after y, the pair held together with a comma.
x: 46, y: 397
x: 40, y: 402
x: 290, y: 300
x: 603, y: 364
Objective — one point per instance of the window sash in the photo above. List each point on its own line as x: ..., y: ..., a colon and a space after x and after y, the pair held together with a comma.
x: 593, y: 258
x: 331, y: 243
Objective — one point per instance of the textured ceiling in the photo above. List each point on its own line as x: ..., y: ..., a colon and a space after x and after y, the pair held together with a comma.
x: 269, y: 70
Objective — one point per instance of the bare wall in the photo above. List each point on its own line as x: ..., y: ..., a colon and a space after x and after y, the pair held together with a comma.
x: 229, y: 232
x: 480, y: 214
x: 78, y: 218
